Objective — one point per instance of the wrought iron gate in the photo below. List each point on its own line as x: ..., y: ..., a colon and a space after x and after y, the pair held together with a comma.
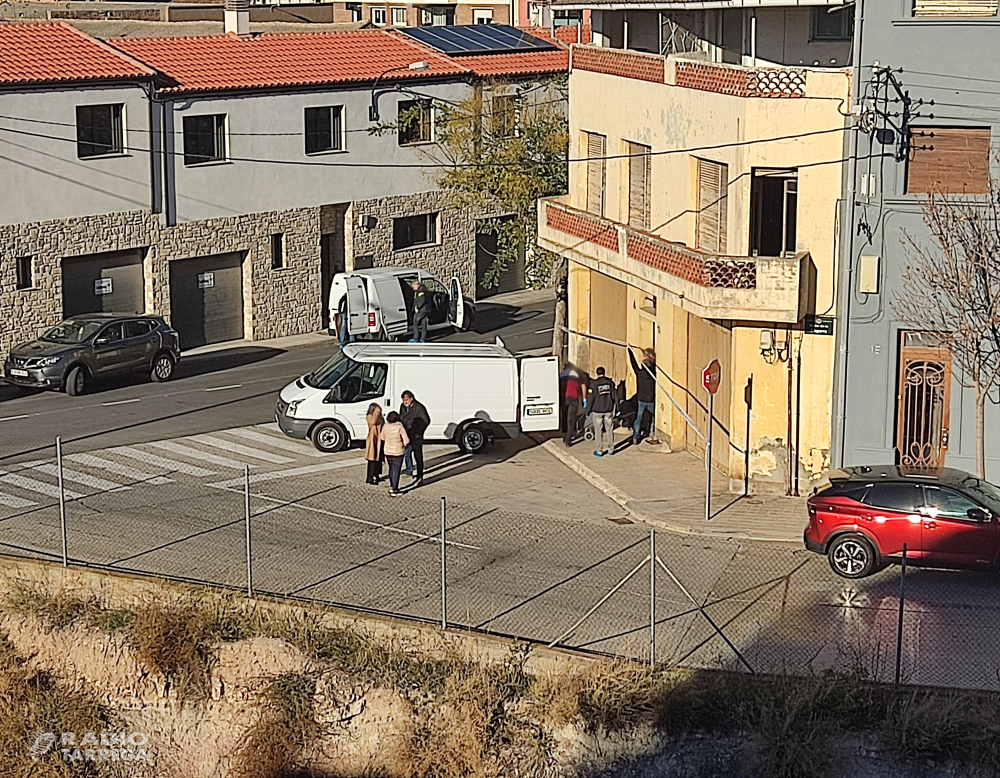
x: 923, y: 400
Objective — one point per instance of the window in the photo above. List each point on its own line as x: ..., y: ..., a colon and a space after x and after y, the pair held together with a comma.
x: 137, y: 328
x: 438, y: 16
x: 378, y: 17
x: 99, y: 130
x: 832, y: 24
x: 713, y: 204
x: 324, y: 129
x: 24, y: 273
x: 482, y: 16
x: 902, y: 498
x: 948, y: 160
x: 365, y: 382
x: 773, y: 204
x: 277, y: 251
x: 504, y: 116
x: 566, y: 18
x: 639, y: 163
x: 204, y: 139
x: 955, y: 7
x: 415, y: 119
x: 946, y: 504
x: 399, y: 17
x: 110, y: 334
x: 354, y: 9
x: 596, y: 144
x: 412, y: 231
x: 434, y: 286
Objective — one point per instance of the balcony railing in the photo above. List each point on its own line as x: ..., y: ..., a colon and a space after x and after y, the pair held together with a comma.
x: 713, y: 286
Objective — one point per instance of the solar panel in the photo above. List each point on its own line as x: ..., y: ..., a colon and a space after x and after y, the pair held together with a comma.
x: 477, y: 39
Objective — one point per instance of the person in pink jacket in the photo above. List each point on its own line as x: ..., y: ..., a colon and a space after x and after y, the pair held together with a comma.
x: 394, y: 443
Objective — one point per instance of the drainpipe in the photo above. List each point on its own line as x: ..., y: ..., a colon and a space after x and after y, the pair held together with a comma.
x: 753, y: 38
x: 625, y: 29
x: 792, y: 459
x: 838, y: 441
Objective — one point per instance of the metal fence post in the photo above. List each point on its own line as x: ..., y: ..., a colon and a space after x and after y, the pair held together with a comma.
x: 62, y: 502
x: 899, y: 620
x: 444, y: 568
x: 652, y: 598
x: 246, y: 515
x: 708, y: 458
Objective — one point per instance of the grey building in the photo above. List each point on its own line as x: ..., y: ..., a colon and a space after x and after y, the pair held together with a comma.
x: 221, y: 181
x: 925, y: 91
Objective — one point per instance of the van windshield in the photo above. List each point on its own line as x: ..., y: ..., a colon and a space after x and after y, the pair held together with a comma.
x: 332, y: 371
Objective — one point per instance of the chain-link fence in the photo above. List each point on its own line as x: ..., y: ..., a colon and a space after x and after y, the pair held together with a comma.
x: 590, y: 585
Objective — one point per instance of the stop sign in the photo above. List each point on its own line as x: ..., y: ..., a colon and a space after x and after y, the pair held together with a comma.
x: 711, y: 376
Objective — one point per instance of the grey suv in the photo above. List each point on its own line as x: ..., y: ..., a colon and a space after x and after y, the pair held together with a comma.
x: 94, y: 345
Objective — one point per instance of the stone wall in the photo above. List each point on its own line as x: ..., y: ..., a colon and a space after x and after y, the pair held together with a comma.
x: 276, y: 302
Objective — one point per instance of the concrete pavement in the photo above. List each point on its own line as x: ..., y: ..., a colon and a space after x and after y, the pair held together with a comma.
x: 667, y: 490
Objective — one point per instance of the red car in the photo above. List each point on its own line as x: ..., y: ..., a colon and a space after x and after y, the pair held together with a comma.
x: 862, y: 518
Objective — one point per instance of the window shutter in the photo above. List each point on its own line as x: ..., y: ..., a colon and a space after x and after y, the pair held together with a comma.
x: 955, y: 7
x: 638, y: 185
x: 595, y: 172
x: 713, y: 202
x: 948, y: 160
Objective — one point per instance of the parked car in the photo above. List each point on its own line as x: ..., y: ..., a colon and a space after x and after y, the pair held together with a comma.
x: 863, y: 516
x: 379, y: 302
x: 94, y: 345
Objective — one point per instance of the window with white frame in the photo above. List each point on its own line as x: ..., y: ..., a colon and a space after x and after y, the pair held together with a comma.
x: 398, y: 16
x: 835, y: 23
x: 378, y: 16
x: 100, y: 130
x: 414, y: 231
x: 324, y: 129
x: 482, y: 16
x: 205, y: 139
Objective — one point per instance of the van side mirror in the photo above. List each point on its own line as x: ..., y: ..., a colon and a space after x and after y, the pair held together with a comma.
x: 333, y: 396
x: 978, y: 514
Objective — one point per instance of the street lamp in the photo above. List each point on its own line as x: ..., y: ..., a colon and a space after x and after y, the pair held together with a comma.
x: 373, y: 110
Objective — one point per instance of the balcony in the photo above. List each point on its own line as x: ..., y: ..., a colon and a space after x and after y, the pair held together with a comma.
x: 759, y: 289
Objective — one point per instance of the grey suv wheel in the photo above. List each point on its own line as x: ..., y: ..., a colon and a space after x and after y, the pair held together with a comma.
x: 76, y: 381
x: 163, y: 368
x: 852, y: 556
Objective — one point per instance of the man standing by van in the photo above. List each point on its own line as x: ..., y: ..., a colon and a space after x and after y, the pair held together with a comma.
x: 421, y: 312
x: 415, y: 420
x: 603, y: 402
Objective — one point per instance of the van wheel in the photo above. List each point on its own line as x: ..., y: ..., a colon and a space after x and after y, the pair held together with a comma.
x: 76, y: 381
x: 472, y: 438
x: 329, y: 437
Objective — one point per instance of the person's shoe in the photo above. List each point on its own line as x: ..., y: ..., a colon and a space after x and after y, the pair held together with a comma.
x: 635, y: 441
x: 611, y: 453
x: 394, y: 492
x: 598, y: 453
x: 654, y: 441
x: 416, y: 482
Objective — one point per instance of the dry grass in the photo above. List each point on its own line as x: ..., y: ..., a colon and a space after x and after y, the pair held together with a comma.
x: 56, y: 609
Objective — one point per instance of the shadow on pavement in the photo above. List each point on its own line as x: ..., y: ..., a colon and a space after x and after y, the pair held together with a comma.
x: 495, y: 316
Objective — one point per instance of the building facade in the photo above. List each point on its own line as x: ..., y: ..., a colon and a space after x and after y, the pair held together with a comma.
x: 223, y: 197
x: 925, y: 91
x: 701, y: 223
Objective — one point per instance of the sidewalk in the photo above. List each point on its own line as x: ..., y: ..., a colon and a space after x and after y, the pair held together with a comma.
x: 667, y: 490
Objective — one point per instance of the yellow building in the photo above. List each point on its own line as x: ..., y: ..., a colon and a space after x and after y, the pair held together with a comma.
x: 702, y: 221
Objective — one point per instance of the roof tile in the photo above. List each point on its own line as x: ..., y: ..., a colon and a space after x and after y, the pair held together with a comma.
x: 520, y: 64
x: 52, y: 52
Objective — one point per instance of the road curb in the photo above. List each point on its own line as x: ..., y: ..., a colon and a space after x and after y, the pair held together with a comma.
x: 626, y: 501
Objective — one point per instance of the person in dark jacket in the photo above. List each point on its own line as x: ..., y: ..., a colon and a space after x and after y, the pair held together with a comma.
x: 421, y: 312
x: 573, y: 400
x: 645, y: 393
x: 415, y: 420
x: 603, y: 403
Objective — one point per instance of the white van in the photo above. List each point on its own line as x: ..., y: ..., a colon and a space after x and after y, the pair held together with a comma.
x: 379, y: 302
x: 472, y: 392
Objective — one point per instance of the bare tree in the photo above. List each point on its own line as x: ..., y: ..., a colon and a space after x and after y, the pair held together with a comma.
x: 952, y: 287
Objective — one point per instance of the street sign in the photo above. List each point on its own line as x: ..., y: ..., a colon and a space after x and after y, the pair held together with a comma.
x: 818, y: 325
x: 711, y: 376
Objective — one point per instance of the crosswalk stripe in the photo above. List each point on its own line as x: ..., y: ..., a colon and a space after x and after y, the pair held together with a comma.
x: 89, y: 460
x: 193, y: 453
x: 236, y: 448
x: 299, y: 447
x: 82, y: 478
x: 168, y: 465
x: 307, y: 470
x: 15, y: 502
x: 36, y: 486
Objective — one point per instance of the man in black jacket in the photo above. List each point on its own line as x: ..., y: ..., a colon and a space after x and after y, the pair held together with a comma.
x: 645, y: 393
x: 415, y: 420
x: 421, y: 312
x: 603, y: 403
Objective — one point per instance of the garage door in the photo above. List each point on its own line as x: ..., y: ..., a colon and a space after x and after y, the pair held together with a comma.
x: 110, y: 282
x: 206, y: 299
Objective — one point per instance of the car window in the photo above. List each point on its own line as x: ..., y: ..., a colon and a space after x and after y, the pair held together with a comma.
x: 71, y: 331
x: 331, y: 371
x: 366, y: 382
x: 946, y: 504
x: 904, y: 498
x: 110, y: 333
x: 851, y: 492
x: 137, y: 328
x: 434, y: 286
x: 984, y: 491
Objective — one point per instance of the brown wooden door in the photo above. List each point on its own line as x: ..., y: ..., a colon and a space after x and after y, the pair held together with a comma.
x: 923, y: 401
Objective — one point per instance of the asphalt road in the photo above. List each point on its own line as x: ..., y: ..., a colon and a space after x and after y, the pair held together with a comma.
x: 211, y: 391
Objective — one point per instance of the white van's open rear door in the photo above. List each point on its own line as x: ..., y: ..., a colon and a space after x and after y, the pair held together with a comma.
x: 539, y: 394
x: 456, y: 303
x: 357, y: 306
